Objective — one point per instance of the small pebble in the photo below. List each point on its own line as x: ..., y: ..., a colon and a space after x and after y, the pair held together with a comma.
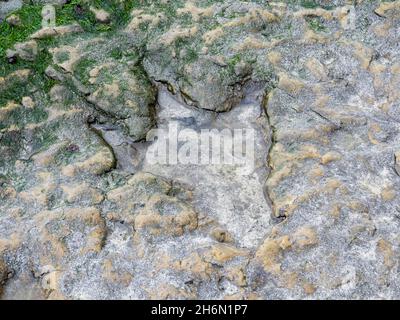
x: 73, y: 148
x: 12, y: 60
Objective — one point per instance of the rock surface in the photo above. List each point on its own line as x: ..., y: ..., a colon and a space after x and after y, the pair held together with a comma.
x: 86, y: 214
x: 7, y: 6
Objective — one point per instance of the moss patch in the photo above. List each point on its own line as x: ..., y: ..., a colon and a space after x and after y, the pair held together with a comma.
x: 31, y: 20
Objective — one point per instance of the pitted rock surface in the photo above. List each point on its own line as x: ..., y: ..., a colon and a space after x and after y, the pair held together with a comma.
x: 84, y: 214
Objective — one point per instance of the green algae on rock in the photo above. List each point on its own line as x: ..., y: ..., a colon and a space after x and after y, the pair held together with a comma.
x: 84, y: 214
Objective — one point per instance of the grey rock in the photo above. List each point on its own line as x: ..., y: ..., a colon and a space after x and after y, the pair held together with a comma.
x: 87, y: 213
x: 24, y: 50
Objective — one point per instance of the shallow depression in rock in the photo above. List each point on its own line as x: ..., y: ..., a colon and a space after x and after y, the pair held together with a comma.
x: 228, y: 195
